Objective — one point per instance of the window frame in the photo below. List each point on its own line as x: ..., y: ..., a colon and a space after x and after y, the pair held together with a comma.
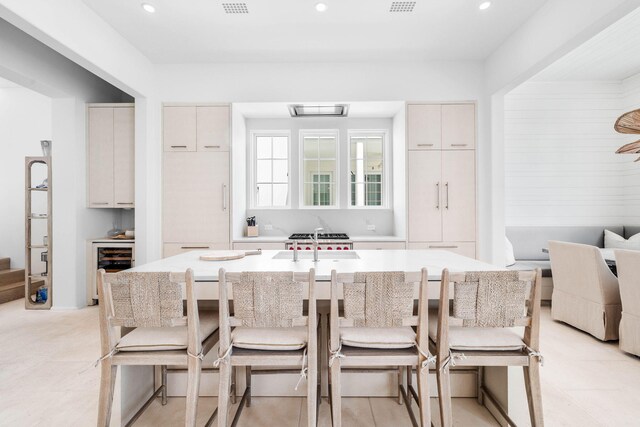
x: 336, y: 173
x: 253, y: 202
x: 384, y: 176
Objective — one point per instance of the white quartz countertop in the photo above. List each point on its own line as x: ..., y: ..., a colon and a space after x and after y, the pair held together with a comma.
x: 370, y: 260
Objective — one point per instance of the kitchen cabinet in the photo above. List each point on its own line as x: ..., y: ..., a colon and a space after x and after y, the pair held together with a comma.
x: 111, y: 146
x: 196, y: 128
x: 467, y: 249
x: 179, y: 128
x: 171, y: 249
x: 441, y: 126
x: 441, y: 185
x: 458, y: 126
x: 424, y: 126
x: 196, y: 197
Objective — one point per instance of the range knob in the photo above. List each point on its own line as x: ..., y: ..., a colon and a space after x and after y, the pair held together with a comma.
x: 308, y: 248
x: 329, y: 248
x: 338, y: 248
x: 346, y: 248
x: 290, y: 248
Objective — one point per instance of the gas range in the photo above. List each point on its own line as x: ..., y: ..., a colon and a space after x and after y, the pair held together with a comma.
x: 326, y: 241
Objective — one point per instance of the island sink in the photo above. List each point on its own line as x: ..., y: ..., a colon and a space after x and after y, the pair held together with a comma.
x: 306, y: 255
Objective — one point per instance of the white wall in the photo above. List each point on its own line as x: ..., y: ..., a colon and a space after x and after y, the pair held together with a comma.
x: 27, y: 61
x: 25, y: 119
x: 560, y: 161
x: 631, y: 171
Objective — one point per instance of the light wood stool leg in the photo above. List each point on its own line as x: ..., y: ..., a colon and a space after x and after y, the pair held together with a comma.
x: 400, y: 399
x: 108, y: 373
x: 480, y: 385
x: 534, y: 392
x: 234, y: 372
x: 223, y: 393
x: 163, y: 379
x: 193, y: 390
x: 423, y: 395
x: 312, y: 389
x: 444, y: 397
x: 248, y: 382
x: 336, y: 394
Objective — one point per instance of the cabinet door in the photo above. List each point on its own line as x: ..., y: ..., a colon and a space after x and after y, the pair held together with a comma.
x: 425, y: 190
x: 171, y: 249
x: 458, y: 127
x: 179, y: 128
x: 459, y: 198
x: 196, y: 197
x: 123, y: 157
x: 467, y: 249
x: 213, y: 128
x: 424, y: 127
x: 100, y: 157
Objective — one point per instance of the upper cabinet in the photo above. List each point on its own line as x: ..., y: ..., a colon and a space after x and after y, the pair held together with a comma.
x: 111, y: 145
x: 441, y: 127
x: 196, y: 128
x: 459, y: 127
x: 424, y: 126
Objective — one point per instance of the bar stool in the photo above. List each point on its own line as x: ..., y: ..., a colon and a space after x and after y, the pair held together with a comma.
x: 269, y: 330
x: 376, y: 332
x: 152, y: 304
x: 478, y: 332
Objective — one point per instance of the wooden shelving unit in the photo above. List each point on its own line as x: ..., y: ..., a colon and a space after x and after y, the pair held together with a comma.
x: 36, y: 281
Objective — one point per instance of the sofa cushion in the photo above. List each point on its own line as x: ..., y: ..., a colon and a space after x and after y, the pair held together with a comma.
x: 270, y: 338
x: 615, y: 241
x: 402, y: 337
x: 171, y: 338
x: 631, y: 230
x: 528, y: 242
x: 509, y: 257
x: 545, y: 266
x: 479, y: 339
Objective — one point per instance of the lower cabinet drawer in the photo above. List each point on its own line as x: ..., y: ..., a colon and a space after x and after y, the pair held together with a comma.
x: 379, y: 245
x: 265, y: 246
x: 467, y: 249
x: 171, y: 249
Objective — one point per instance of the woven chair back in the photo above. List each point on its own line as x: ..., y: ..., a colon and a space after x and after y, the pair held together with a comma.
x: 268, y: 300
x: 378, y: 299
x: 490, y: 299
x: 145, y: 300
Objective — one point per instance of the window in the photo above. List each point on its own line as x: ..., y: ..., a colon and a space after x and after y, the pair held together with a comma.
x: 366, y: 160
x: 271, y: 178
x: 319, y: 168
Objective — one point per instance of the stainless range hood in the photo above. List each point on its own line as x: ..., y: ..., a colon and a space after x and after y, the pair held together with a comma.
x: 335, y: 110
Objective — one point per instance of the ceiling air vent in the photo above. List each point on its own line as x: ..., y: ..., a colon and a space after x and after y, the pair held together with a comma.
x: 402, y: 6
x: 337, y: 110
x: 235, y: 7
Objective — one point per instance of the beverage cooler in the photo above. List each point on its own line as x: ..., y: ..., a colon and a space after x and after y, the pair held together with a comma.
x: 112, y: 257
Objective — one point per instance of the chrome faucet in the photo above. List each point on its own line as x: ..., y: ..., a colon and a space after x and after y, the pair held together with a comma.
x: 295, y: 251
x: 315, y: 243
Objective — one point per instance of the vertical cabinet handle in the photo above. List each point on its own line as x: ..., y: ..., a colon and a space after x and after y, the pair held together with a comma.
x: 224, y: 197
x: 438, y: 194
x: 446, y: 186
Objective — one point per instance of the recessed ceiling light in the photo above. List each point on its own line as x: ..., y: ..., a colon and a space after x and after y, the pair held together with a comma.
x: 321, y: 7
x: 484, y: 5
x: 148, y: 7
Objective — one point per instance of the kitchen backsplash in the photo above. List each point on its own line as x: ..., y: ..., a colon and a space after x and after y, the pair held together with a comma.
x: 355, y: 222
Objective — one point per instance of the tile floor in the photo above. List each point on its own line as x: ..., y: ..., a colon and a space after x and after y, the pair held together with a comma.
x: 45, y: 380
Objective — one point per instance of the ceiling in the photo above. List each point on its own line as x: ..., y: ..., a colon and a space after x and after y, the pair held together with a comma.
x: 187, y: 31
x: 280, y: 110
x: 610, y: 55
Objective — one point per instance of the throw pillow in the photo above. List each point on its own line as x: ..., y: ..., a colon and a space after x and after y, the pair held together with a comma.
x: 509, y: 257
x: 615, y: 241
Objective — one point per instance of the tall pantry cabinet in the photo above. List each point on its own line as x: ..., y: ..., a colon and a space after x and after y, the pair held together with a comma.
x: 196, y: 176
x: 441, y: 140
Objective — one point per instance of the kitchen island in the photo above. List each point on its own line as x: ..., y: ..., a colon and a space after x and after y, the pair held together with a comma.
x: 506, y: 383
